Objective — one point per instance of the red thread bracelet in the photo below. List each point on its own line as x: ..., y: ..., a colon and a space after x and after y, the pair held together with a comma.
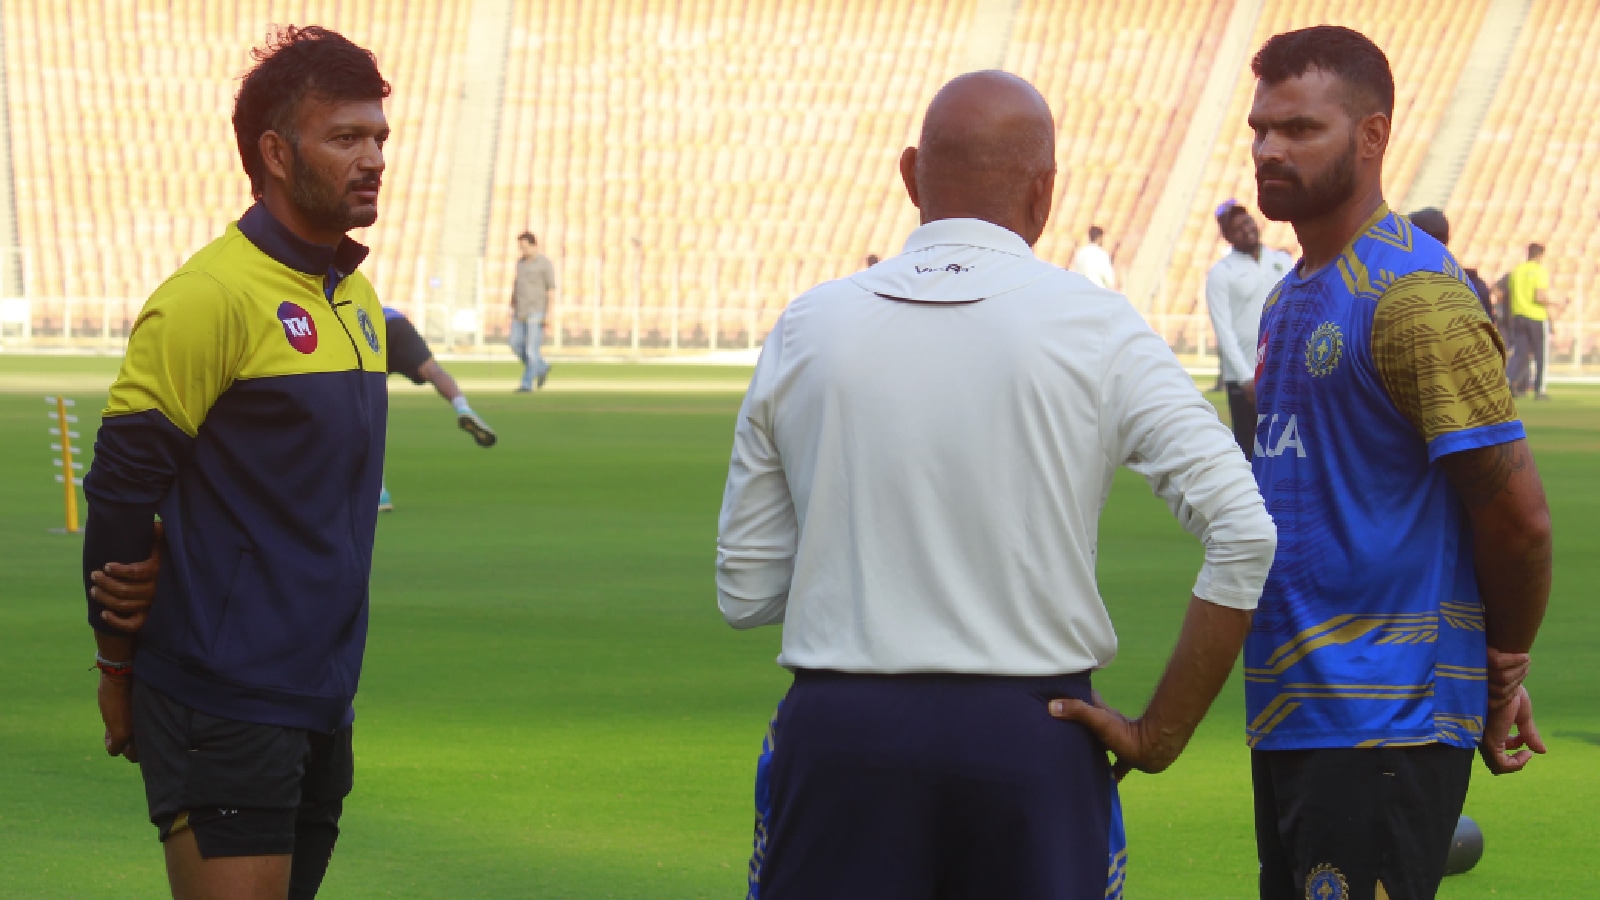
x: 114, y: 669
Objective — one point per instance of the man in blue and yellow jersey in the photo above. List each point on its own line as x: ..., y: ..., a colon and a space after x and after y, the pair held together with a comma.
x: 1413, y: 561
x: 249, y: 416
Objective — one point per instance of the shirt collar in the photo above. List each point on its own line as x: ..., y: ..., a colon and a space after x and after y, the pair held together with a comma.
x: 275, y: 240
x: 967, y: 232
x: 1349, y: 251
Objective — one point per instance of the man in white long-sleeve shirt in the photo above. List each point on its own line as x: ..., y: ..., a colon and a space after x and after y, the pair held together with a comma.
x: 917, y: 476
x: 1236, y: 288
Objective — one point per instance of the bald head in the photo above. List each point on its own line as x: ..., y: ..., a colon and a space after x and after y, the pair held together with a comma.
x: 987, y: 151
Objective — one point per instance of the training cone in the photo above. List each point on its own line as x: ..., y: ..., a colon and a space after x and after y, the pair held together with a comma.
x: 1466, y: 847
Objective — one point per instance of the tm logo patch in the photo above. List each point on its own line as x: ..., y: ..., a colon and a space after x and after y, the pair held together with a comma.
x: 367, y: 331
x: 298, y: 327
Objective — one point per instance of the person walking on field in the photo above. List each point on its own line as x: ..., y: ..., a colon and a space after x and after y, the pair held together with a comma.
x: 249, y: 415
x: 1235, y: 289
x: 914, y: 492
x: 1413, y: 563
x: 530, y: 305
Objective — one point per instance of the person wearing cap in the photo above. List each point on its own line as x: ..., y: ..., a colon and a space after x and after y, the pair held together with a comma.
x: 1236, y: 288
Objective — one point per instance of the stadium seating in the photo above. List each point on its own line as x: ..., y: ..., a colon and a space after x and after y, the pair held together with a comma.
x: 1122, y: 80
x: 123, y: 151
x: 1531, y: 176
x: 690, y: 166
x: 718, y: 156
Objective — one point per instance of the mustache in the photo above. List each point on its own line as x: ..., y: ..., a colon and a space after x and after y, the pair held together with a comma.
x: 1277, y: 172
x: 366, y: 184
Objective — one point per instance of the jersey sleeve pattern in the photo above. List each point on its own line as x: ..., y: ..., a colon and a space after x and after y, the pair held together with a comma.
x: 1442, y: 363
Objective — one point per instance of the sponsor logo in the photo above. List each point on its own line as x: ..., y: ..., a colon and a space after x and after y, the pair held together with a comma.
x: 367, y: 330
x: 1326, y: 883
x: 1288, y: 439
x: 952, y: 268
x: 1261, y: 358
x: 1324, y: 350
x: 298, y: 327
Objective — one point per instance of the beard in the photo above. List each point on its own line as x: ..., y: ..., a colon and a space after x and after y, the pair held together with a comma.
x: 1298, y: 201
x: 323, y: 203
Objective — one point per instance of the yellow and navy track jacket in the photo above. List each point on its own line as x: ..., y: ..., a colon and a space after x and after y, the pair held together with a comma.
x: 249, y: 414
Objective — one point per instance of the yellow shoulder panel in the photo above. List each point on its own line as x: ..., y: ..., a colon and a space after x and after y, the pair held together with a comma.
x: 183, y: 352
x: 1441, y: 360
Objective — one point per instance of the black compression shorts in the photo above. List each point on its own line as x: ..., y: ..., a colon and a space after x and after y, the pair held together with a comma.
x: 244, y: 789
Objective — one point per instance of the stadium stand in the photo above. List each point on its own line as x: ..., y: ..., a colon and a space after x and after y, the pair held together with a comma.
x: 124, y: 153
x: 718, y: 155
x: 1531, y: 176
x: 691, y: 165
x: 1123, y: 99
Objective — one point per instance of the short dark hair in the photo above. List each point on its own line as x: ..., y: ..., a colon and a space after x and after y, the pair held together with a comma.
x: 293, y: 64
x: 1096, y: 232
x: 1344, y: 53
x: 1535, y: 250
x: 528, y: 236
x: 1433, y: 223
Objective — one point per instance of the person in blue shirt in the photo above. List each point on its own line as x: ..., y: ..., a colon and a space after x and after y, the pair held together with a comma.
x: 1413, y: 564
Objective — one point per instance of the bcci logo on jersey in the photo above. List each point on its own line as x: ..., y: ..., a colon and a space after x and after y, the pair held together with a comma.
x: 1326, y: 883
x: 1324, y: 350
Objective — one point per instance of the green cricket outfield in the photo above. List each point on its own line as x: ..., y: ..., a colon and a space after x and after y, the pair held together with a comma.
x: 552, y: 706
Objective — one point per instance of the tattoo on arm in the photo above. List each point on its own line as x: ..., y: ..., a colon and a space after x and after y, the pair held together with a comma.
x: 1479, y: 476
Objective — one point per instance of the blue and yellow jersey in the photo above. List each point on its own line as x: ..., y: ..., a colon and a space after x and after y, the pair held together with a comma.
x: 1370, y: 630
x: 249, y: 415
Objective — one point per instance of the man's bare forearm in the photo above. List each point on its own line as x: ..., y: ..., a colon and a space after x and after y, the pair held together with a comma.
x: 116, y: 647
x: 1514, y: 580
x: 1207, y: 647
x: 1511, y: 541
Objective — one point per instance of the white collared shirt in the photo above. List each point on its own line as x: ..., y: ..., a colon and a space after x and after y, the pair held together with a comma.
x: 922, y: 456
x: 1236, y: 288
x: 1094, y: 263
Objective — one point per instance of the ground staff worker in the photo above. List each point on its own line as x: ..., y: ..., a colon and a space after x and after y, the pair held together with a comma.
x: 917, y: 474
x: 249, y: 414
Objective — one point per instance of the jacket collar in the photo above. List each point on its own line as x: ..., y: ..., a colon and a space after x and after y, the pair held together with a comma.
x: 275, y: 239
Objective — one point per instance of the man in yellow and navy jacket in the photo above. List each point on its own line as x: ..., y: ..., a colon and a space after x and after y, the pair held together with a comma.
x: 249, y: 415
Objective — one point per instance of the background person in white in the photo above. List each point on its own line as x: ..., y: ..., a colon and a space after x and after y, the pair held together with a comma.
x: 1236, y: 288
x: 1093, y: 262
x: 917, y: 476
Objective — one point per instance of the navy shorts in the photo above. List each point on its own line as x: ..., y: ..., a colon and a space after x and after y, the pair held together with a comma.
x: 918, y: 786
